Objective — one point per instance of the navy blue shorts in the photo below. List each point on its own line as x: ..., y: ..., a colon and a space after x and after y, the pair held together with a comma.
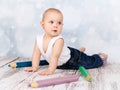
x: 81, y: 59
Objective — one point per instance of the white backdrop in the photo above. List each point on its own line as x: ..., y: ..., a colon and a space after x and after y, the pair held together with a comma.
x: 94, y: 24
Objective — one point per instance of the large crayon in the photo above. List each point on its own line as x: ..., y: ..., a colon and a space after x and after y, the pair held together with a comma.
x: 85, y: 73
x: 26, y: 64
x: 54, y: 81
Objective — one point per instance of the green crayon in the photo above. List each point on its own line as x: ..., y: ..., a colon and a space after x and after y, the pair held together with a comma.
x: 85, y: 73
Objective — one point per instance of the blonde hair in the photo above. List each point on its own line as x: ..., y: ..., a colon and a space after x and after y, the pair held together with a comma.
x: 50, y: 10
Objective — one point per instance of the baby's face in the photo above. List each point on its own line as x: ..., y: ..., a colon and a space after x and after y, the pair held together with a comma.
x: 52, y: 23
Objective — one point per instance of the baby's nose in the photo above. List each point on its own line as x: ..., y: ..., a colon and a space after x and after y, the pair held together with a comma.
x: 55, y: 24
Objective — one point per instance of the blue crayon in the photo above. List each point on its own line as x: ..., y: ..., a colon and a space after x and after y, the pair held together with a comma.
x: 26, y: 64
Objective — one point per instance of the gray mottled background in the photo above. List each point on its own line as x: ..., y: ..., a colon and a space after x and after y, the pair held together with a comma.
x: 94, y: 24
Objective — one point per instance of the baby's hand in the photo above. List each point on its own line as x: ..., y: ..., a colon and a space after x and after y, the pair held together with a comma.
x: 46, y: 72
x: 31, y: 69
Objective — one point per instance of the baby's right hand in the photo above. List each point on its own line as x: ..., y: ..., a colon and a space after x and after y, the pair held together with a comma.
x: 31, y: 69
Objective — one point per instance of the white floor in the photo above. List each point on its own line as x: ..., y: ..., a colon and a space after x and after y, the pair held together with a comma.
x: 105, y: 78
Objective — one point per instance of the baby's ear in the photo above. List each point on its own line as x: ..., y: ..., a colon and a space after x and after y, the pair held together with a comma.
x: 42, y: 24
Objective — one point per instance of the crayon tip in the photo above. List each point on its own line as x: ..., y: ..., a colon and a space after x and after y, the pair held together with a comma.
x: 89, y: 78
x: 9, y: 65
x: 34, y: 84
x: 13, y: 65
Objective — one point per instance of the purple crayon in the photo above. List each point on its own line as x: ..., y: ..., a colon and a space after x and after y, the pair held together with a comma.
x: 54, y: 81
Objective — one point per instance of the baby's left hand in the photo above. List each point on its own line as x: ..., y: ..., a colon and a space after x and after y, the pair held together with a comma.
x: 46, y: 72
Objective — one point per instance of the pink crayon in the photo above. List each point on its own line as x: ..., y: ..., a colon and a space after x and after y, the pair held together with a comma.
x: 54, y: 81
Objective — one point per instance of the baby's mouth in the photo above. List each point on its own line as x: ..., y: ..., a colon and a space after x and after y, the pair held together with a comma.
x: 54, y: 30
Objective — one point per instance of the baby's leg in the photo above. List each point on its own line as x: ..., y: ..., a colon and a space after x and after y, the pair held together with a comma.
x: 103, y: 56
x: 82, y: 49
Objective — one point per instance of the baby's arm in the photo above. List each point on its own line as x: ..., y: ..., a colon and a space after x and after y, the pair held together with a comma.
x: 56, y: 52
x: 35, y: 59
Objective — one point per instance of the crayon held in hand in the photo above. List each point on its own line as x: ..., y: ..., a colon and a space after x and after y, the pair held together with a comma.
x: 26, y: 64
x: 85, y: 73
x: 54, y: 81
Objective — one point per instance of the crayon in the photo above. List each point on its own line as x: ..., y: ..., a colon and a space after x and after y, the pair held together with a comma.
x: 85, y: 73
x: 54, y: 81
x: 26, y: 64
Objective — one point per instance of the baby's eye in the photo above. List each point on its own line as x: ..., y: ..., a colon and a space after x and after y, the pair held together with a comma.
x: 59, y: 23
x: 51, y: 22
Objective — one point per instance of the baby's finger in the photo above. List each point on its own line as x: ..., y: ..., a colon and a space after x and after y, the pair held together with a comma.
x: 28, y: 70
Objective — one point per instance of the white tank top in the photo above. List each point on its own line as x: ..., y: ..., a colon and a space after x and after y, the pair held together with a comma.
x: 65, y: 54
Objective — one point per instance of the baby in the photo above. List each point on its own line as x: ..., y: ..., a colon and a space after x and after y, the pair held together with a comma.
x: 52, y: 47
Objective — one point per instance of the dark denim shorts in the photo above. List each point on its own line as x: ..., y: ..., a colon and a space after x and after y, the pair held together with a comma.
x: 81, y: 59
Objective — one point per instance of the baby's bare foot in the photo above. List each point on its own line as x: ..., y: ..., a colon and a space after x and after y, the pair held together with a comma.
x: 103, y: 56
x: 82, y: 49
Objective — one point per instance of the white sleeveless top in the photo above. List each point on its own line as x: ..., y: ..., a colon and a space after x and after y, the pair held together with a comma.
x: 65, y: 54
